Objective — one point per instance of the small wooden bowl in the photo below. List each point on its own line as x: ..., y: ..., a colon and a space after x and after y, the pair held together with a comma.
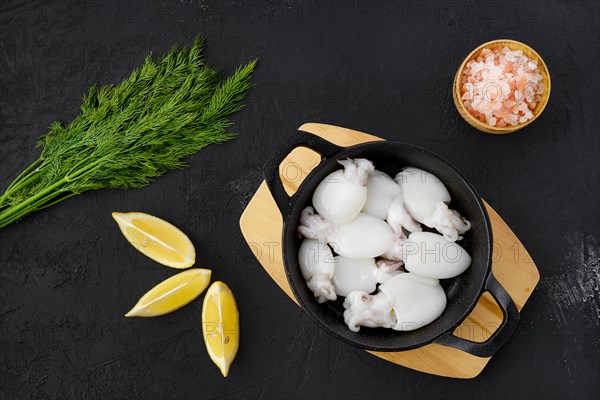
x: 482, y: 126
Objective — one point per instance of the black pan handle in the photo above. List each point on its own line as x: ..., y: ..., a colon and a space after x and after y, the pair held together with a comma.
x: 289, y: 143
x: 502, y: 334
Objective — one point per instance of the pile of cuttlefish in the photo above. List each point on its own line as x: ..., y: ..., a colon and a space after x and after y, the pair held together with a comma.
x: 365, y: 230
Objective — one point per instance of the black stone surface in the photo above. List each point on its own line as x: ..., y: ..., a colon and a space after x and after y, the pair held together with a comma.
x: 67, y: 276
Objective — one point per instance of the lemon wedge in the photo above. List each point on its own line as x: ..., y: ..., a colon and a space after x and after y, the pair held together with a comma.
x: 172, y: 293
x: 220, y: 326
x: 157, y: 239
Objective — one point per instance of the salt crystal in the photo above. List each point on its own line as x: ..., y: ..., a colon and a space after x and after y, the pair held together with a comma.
x: 503, y: 86
x: 495, y: 72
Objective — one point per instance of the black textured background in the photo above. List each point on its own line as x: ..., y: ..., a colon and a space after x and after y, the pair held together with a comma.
x: 67, y: 275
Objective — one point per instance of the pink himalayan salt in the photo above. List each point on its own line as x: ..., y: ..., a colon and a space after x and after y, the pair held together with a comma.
x: 502, y: 87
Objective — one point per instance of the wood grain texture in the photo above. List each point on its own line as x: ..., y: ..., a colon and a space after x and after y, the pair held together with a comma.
x: 262, y: 224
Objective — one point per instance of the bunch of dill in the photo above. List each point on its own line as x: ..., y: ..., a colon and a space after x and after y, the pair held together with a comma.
x: 128, y: 134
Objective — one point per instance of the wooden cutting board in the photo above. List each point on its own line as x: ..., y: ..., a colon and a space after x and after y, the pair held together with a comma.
x: 261, y: 224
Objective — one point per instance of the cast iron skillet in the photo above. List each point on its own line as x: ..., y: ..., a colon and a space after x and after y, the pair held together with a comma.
x: 462, y: 292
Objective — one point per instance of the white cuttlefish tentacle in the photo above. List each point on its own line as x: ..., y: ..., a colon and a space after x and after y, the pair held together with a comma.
x: 448, y: 222
x: 317, y: 266
x: 357, y: 170
x: 314, y: 226
x: 386, y: 266
x: 398, y: 217
x: 372, y: 311
x: 396, y: 252
x: 321, y: 286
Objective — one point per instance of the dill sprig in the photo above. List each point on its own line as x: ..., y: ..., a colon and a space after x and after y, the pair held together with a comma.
x: 125, y: 135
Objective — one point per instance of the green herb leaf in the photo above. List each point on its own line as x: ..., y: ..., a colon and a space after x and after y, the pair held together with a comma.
x: 125, y: 135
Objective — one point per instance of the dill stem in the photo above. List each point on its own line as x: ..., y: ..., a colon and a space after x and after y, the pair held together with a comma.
x: 22, y: 178
x: 17, y: 211
x: 22, y: 183
x: 55, y: 201
x: 76, y: 174
x: 38, y: 205
x: 28, y: 174
x: 38, y: 201
x: 26, y: 171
